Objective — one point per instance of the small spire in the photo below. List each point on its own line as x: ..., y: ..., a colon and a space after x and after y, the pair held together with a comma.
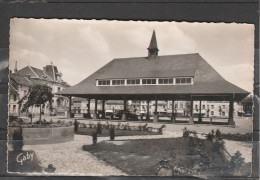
x: 153, y: 48
x: 15, y: 68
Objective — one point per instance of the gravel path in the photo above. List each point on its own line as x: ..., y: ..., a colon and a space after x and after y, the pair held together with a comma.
x: 68, y: 158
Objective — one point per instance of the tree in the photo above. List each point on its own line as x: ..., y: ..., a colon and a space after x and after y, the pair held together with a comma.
x: 38, y: 95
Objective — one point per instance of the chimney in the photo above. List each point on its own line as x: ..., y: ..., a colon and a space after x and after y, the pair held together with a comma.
x: 44, y: 69
x: 15, y: 68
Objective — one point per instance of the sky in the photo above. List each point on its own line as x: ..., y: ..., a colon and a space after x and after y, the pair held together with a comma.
x: 80, y: 47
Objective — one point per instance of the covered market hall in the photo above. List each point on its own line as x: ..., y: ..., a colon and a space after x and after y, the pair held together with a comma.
x: 184, y: 77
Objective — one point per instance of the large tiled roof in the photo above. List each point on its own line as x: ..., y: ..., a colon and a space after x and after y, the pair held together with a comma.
x: 36, y: 75
x: 206, y: 79
x: 20, y: 79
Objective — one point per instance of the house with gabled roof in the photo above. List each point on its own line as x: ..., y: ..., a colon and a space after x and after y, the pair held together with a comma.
x: 184, y: 77
x: 21, y: 80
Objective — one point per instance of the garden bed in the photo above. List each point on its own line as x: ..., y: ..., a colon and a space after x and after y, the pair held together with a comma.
x: 151, y: 157
x: 118, y: 132
x: 43, y: 135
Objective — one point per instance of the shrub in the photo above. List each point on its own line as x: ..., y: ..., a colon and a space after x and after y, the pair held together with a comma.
x: 18, y: 140
x: 76, y: 126
x: 84, y: 125
x: 99, y: 128
x: 50, y: 169
x: 112, y: 133
x: 20, y: 120
x: 145, y: 127
x: 128, y: 126
x: 94, y: 137
x: 13, y: 118
x: 118, y: 125
x: 107, y: 125
x: 218, y: 134
x: 140, y: 127
x: 187, y: 133
x: 237, y: 166
x: 211, y: 135
x: 160, y: 129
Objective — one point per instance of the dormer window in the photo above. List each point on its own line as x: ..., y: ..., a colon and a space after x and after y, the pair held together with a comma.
x: 183, y: 80
x: 118, y: 82
x: 146, y: 81
x: 149, y: 81
x: 103, y: 82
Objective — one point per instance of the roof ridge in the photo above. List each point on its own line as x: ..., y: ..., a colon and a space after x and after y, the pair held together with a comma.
x: 158, y: 56
x: 33, y: 71
x: 13, y: 87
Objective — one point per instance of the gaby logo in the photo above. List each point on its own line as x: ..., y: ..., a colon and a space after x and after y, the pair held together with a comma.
x: 21, y: 158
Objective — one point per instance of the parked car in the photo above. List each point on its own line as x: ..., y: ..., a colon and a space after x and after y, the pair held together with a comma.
x: 129, y: 115
x: 110, y: 114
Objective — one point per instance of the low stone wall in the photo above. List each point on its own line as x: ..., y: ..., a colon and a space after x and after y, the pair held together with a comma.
x: 48, y: 135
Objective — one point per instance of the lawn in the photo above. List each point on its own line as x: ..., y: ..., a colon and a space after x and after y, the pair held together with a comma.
x: 150, y: 157
x: 118, y: 132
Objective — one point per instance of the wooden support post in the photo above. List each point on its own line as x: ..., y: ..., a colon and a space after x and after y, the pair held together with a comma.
x: 191, y: 120
x: 156, y: 116
x: 173, y: 112
x: 124, y: 111
x: 231, y: 111
x: 70, y: 115
x: 103, y: 109
x: 95, y: 116
x: 89, y: 116
x: 147, y: 113
x: 200, y: 118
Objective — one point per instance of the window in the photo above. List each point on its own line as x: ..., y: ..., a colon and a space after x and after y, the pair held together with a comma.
x: 148, y: 81
x: 183, y: 80
x: 103, y: 82
x: 196, y: 106
x: 203, y: 106
x: 212, y: 112
x: 58, y: 89
x: 212, y: 106
x: 223, y: 106
x: 118, y: 82
x: 133, y: 81
x: 14, y: 97
x: 165, y: 81
x: 14, y: 108
x: 223, y: 114
x: 181, y: 105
